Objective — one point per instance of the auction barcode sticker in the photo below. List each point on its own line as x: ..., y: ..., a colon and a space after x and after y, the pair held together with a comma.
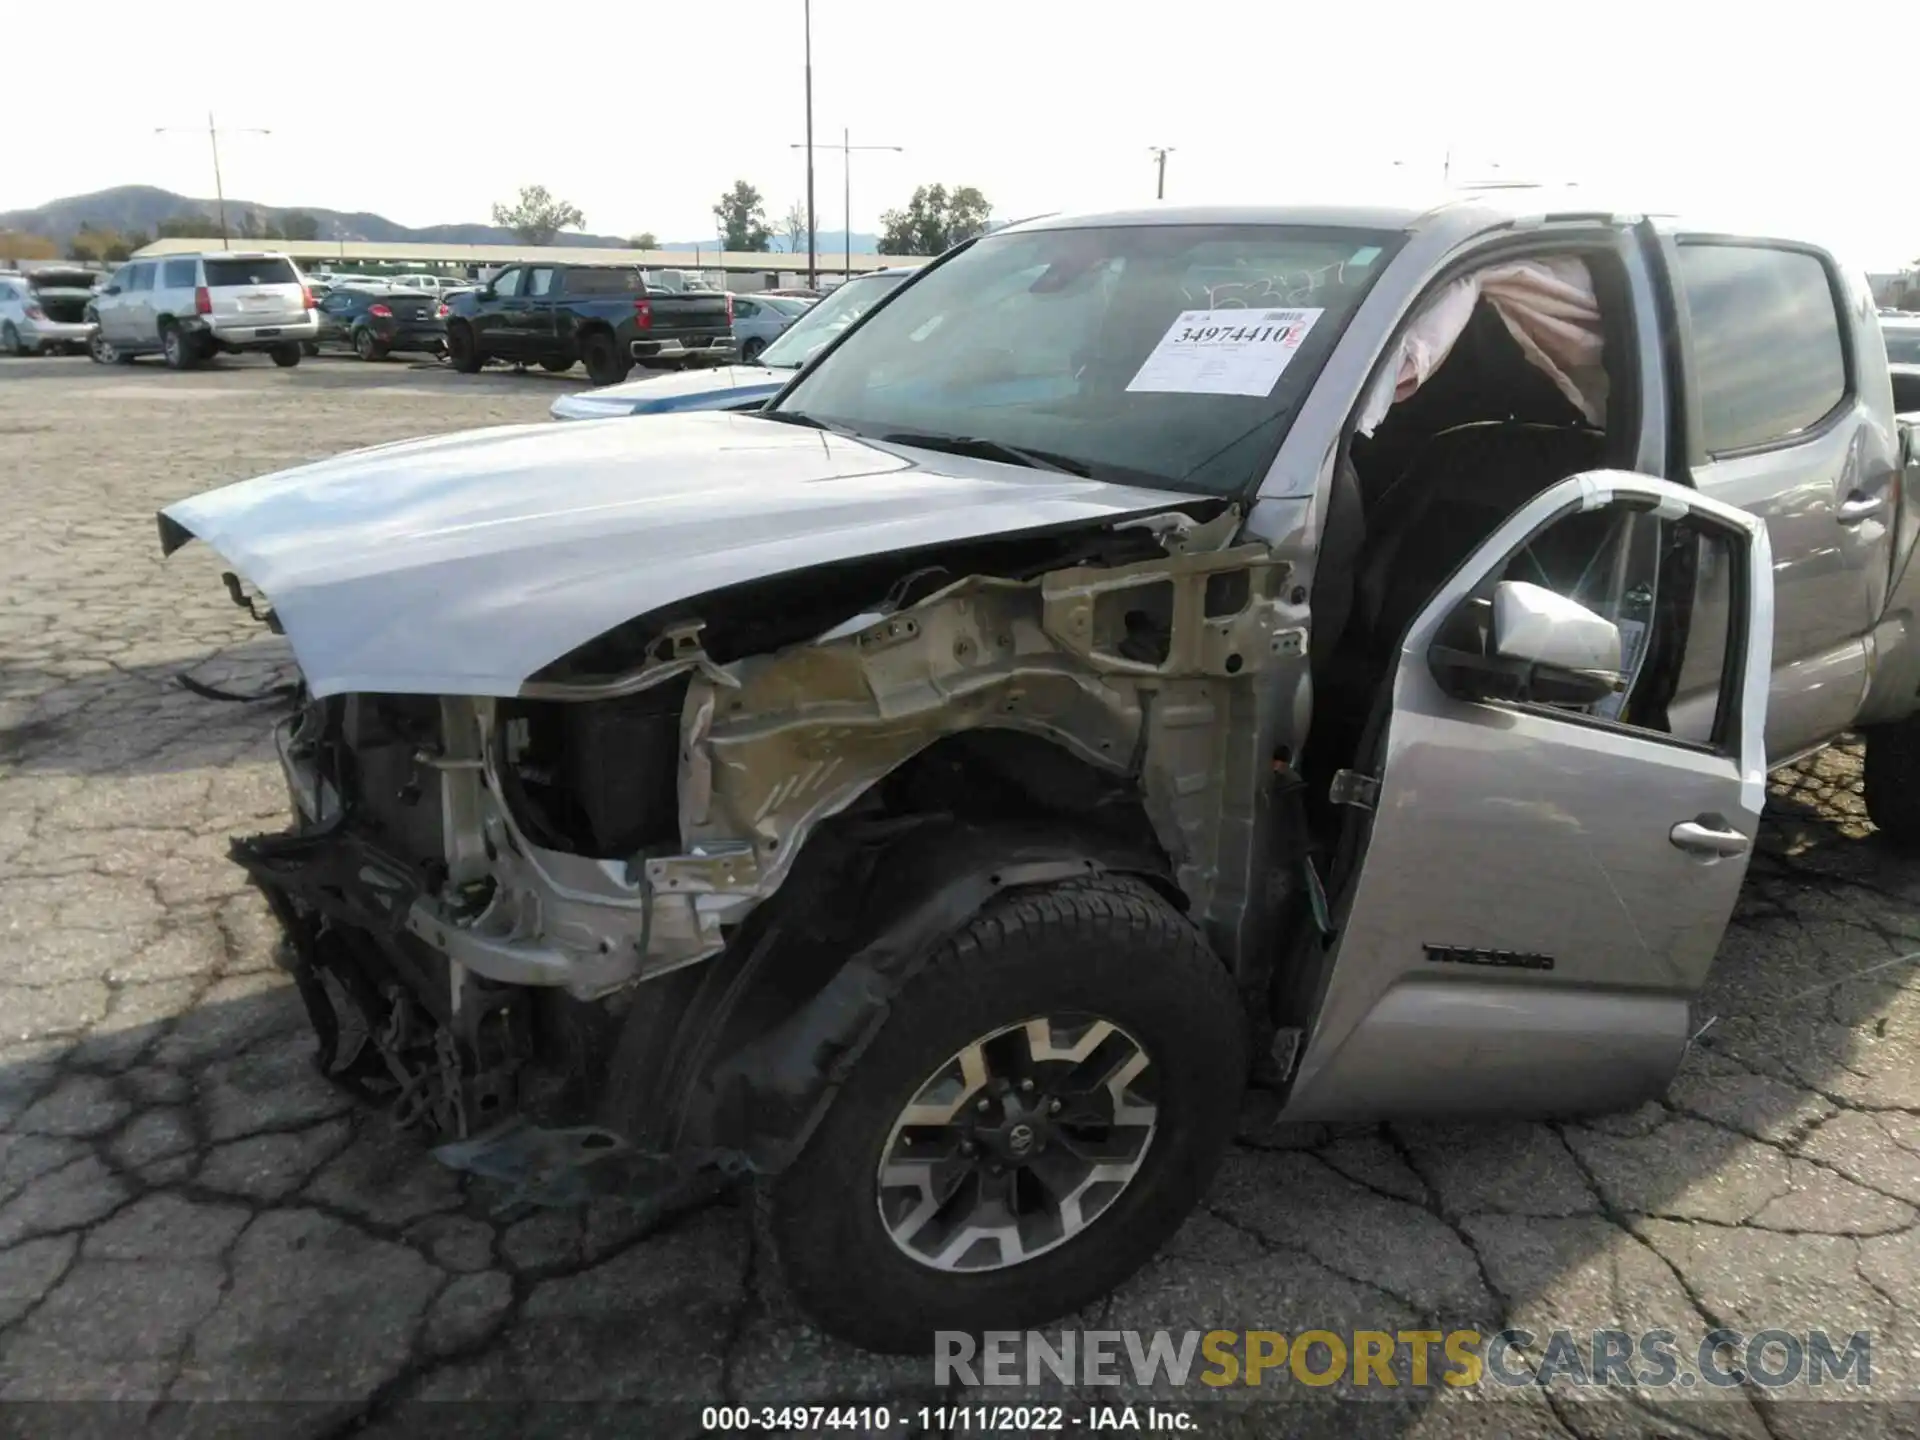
x: 1224, y: 352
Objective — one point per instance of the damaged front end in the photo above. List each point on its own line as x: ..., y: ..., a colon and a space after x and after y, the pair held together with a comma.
x: 491, y: 898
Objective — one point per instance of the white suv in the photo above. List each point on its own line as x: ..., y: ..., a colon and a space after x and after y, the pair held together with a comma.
x: 191, y: 307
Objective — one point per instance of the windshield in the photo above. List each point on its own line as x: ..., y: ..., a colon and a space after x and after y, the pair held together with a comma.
x: 825, y: 319
x: 1903, y: 346
x: 1167, y: 354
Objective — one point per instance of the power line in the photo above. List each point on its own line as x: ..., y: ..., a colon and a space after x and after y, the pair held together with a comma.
x: 213, y: 139
x: 847, y: 147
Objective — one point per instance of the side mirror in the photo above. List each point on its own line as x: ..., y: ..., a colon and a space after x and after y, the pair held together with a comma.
x: 111, y: 290
x: 1528, y: 644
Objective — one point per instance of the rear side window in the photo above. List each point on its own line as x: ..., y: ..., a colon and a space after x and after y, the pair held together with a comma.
x: 270, y: 271
x: 1766, y: 342
x: 177, y: 274
x: 605, y: 282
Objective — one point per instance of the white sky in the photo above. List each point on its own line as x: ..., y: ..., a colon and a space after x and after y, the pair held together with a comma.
x: 1806, y: 119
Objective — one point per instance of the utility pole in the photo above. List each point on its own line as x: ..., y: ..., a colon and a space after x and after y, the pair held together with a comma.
x: 219, y: 190
x: 1160, y: 153
x: 847, y: 147
x: 813, y: 253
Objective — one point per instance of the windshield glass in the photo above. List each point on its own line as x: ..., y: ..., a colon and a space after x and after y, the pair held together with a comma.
x: 825, y: 319
x: 1168, y: 354
x: 1903, y: 346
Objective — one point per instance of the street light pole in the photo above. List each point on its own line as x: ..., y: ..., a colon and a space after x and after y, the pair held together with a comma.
x: 813, y: 255
x: 219, y: 188
x: 1160, y: 153
x: 847, y: 147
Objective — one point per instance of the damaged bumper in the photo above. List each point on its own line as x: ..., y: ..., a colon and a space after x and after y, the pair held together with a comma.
x: 494, y: 904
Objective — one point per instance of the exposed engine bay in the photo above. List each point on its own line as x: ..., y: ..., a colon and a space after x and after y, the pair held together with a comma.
x: 475, y: 885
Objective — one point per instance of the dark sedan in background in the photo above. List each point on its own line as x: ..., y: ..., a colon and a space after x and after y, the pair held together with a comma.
x: 376, y: 320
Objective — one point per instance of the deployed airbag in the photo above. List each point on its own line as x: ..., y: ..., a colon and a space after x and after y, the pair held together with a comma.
x: 1548, y: 306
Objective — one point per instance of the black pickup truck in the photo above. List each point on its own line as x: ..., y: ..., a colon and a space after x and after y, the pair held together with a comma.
x: 606, y: 316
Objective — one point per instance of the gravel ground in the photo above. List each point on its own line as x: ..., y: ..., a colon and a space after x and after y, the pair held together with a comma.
x: 188, y: 1214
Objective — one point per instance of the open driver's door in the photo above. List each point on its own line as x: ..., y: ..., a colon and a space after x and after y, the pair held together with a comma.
x: 1538, y: 868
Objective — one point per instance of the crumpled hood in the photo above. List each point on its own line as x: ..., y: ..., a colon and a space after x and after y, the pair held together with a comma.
x: 463, y: 564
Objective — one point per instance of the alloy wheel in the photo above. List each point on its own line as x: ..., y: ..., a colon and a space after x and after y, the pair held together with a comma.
x: 1017, y: 1143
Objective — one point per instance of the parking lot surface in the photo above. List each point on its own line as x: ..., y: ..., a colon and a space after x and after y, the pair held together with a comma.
x: 188, y: 1213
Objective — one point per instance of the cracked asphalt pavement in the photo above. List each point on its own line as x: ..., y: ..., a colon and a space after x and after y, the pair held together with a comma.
x: 188, y: 1213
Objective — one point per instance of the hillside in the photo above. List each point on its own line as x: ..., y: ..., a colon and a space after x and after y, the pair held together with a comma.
x: 130, y: 208
x: 141, y: 208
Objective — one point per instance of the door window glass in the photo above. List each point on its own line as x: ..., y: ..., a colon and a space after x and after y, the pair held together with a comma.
x: 508, y: 285
x: 178, y: 275
x: 540, y: 281
x: 1667, y: 587
x: 140, y: 277
x: 1767, y: 342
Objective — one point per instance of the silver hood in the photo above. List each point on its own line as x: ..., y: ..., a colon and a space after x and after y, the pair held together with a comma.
x: 463, y: 564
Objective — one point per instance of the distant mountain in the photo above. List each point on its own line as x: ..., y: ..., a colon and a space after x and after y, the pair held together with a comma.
x: 129, y: 208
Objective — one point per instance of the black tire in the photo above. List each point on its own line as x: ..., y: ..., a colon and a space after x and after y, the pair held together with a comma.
x: 462, y: 353
x: 750, y: 352
x: 309, y: 348
x: 605, y: 364
x: 367, y: 346
x: 1106, y: 946
x: 286, y: 356
x: 10, y: 341
x: 1892, y: 776
x: 556, y: 364
x: 178, y: 347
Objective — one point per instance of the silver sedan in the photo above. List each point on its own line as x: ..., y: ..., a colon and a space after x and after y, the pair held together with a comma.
x: 759, y: 319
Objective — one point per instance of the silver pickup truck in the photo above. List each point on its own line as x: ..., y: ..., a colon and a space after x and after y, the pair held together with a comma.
x: 1337, y: 649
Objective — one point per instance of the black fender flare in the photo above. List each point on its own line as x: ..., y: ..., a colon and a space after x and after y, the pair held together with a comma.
x: 749, y: 1087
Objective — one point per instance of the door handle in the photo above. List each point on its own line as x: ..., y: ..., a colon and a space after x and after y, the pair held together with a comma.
x: 1858, y: 506
x: 1701, y: 837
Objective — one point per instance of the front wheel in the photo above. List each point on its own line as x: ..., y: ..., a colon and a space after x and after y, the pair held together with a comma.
x: 309, y: 348
x: 606, y: 365
x: 461, y: 351
x: 286, y: 356
x: 1046, y: 1101
x: 750, y: 352
x: 1892, y: 776
x: 556, y: 364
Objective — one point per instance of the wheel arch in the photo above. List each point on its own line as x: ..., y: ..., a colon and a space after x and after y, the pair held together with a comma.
x: 737, y: 1060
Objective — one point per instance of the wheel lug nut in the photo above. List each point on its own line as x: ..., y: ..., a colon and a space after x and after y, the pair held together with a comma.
x: 967, y: 1147
x: 1053, y: 1107
x: 1026, y: 1087
x: 984, y: 1105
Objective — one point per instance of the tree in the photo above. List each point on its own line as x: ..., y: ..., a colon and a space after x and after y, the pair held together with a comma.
x: 934, y: 220
x: 795, y: 224
x: 536, y: 217
x: 742, y: 216
x: 299, y: 225
x: 19, y: 245
x: 121, y: 247
x: 81, y: 248
x: 645, y: 240
x: 190, y: 226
